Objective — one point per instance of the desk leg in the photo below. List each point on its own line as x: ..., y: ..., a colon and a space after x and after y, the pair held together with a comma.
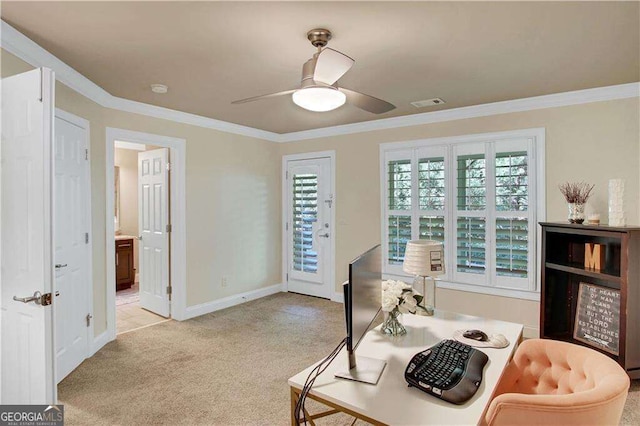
x: 294, y: 401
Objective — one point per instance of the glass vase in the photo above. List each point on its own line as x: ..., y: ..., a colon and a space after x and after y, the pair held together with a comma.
x: 426, y: 286
x: 392, y: 324
x: 576, y: 213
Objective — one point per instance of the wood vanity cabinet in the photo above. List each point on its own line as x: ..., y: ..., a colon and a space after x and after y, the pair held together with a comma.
x: 125, y: 273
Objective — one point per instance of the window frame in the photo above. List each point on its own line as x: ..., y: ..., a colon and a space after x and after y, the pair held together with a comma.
x: 530, y: 140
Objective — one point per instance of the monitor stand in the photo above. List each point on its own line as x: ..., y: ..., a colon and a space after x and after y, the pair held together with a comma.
x: 363, y: 369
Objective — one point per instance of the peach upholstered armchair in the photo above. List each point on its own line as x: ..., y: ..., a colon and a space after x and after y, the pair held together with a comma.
x: 557, y: 383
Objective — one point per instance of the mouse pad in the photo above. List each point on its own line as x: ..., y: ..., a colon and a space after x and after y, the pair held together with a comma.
x: 495, y: 340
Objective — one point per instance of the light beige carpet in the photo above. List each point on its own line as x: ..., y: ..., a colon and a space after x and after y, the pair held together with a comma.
x: 226, y: 368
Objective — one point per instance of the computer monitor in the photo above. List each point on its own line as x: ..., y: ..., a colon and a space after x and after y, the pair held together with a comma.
x: 362, y: 304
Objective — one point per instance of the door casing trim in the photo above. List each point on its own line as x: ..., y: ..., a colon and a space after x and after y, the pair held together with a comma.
x: 335, y: 295
x: 178, y: 259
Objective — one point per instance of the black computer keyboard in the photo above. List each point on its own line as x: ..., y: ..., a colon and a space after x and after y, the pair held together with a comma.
x: 450, y: 370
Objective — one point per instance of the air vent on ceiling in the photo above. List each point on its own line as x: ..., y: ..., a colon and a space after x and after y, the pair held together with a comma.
x: 427, y: 102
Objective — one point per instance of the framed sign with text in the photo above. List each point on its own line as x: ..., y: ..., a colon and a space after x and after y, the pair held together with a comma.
x: 597, y: 321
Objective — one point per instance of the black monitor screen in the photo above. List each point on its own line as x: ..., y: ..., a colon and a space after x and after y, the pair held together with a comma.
x: 364, y: 298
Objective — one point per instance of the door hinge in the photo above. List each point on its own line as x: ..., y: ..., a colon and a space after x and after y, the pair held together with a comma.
x: 286, y: 226
x: 169, y: 290
x: 169, y: 228
x: 168, y: 166
x: 286, y: 174
x: 89, y: 316
x: 86, y: 154
x: 287, y: 277
x: 86, y: 238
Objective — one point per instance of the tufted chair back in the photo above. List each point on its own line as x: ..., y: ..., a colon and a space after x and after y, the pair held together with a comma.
x: 549, y: 382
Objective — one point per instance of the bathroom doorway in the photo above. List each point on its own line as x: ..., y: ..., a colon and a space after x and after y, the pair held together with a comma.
x: 131, y: 160
x: 145, y: 230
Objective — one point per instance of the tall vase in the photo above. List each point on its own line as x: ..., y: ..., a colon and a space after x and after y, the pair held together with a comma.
x: 576, y: 213
x: 616, y: 203
x: 392, y: 324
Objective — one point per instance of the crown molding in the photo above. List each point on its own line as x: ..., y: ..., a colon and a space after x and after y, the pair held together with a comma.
x: 24, y: 48
x: 608, y: 93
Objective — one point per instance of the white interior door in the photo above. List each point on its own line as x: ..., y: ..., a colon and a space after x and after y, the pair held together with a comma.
x: 27, y: 339
x: 153, y: 221
x: 71, y: 244
x: 309, y: 226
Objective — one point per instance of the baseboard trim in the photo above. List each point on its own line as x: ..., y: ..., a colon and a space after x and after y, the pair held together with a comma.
x: 337, y: 297
x: 99, y: 341
x: 227, y: 302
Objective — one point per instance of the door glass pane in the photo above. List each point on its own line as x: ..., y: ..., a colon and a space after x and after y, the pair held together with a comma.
x: 399, y: 233
x: 431, y: 183
x: 471, y: 182
x: 305, y: 214
x: 400, y: 185
x: 512, y: 181
x: 471, y: 244
x: 512, y: 246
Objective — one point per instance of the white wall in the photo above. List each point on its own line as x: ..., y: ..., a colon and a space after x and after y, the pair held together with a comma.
x: 233, y: 200
x: 591, y: 142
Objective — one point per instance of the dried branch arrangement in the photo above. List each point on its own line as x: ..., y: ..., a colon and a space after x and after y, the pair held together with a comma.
x: 577, y: 192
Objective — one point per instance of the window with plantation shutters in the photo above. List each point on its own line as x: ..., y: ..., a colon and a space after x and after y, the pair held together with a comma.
x: 477, y: 196
x: 305, y: 212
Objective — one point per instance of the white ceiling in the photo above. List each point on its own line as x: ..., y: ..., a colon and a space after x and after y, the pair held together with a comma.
x: 211, y: 53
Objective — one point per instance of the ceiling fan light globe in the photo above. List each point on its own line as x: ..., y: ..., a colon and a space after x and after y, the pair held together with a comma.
x: 319, y: 99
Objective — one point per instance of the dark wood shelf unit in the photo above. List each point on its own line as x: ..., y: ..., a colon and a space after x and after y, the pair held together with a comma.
x: 576, y: 269
x: 563, y: 254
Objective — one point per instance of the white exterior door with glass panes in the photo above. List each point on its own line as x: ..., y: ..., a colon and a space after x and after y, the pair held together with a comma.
x: 309, y: 226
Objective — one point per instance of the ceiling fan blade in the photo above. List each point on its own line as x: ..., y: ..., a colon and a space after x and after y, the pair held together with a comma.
x: 366, y: 102
x: 258, y: 98
x: 331, y: 65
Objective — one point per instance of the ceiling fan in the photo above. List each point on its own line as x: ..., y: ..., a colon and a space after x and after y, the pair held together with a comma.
x: 318, y: 90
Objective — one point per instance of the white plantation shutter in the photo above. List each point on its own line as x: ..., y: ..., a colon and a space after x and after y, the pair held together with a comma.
x: 431, y: 196
x: 512, y: 228
x: 471, y: 214
x: 399, y: 204
x: 305, y: 212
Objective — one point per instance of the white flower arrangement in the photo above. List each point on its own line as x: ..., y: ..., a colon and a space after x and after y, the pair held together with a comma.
x: 401, y: 296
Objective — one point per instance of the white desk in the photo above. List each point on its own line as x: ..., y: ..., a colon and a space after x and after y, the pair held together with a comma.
x: 391, y: 401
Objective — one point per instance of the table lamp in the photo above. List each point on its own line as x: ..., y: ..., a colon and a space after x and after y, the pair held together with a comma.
x: 425, y: 258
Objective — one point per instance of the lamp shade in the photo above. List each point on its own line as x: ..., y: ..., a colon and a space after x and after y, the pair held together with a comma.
x: 424, y: 258
x: 319, y: 99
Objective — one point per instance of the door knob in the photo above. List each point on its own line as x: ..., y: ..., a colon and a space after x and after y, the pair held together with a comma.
x: 324, y: 235
x: 61, y: 265
x: 35, y: 298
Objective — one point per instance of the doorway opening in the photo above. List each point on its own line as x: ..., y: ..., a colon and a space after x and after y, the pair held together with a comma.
x: 145, y: 236
x: 131, y: 314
